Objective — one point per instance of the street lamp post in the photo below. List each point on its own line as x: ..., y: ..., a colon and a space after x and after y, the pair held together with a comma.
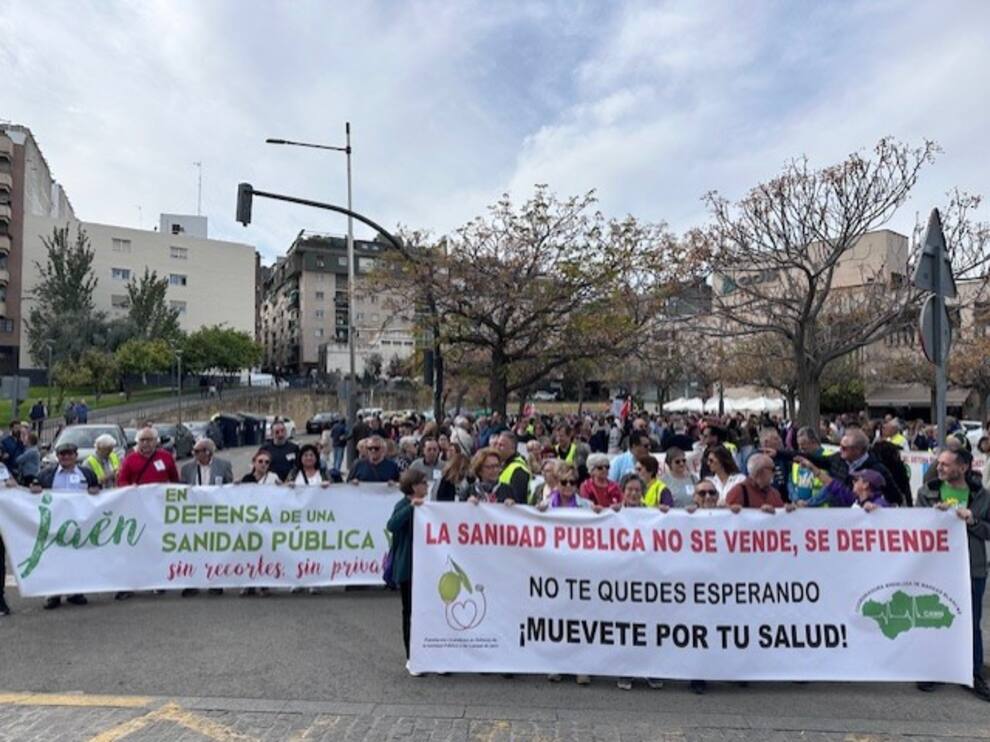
x: 50, y: 345
x: 351, y: 272
x: 178, y: 373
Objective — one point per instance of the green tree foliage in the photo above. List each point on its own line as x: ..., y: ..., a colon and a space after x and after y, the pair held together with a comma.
x: 220, y: 348
x: 63, y: 312
x: 138, y: 357
x: 149, y: 314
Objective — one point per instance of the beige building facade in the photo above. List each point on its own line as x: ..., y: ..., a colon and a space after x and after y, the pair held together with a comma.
x: 304, y: 310
x: 211, y: 282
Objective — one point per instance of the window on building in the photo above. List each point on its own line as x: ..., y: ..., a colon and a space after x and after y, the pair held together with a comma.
x: 177, y: 279
x: 366, y: 264
x: 342, y: 261
x: 318, y: 332
x: 120, y: 274
x: 120, y: 301
x: 177, y: 229
x: 320, y: 263
x: 179, y: 253
x: 319, y: 314
x: 123, y: 246
x: 180, y: 305
x: 319, y: 296
x: 6, y: 325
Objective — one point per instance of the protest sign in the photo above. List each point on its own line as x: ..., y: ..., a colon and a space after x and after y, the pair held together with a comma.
x: 837, y: 594
x: 173, y: 537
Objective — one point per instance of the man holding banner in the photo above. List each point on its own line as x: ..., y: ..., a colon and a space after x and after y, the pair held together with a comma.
x: 952, y: 489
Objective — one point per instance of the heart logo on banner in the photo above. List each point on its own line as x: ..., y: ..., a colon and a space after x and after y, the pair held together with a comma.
x: 464, y: 613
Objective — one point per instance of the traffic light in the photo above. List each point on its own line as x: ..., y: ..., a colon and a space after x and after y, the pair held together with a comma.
x: 244, y: 195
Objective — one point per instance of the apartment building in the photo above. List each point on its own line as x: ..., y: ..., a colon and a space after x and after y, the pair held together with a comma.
x: 211, y: 282
x: 304, y: 309
x: 27, y: 189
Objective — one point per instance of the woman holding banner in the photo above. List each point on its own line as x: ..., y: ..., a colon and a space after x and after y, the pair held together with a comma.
x: 260, y: 474
x: 414, y: 486
x: 725, y: 474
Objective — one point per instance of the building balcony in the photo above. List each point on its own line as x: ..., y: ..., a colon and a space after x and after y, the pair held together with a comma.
x: 4, y: 276
x: 3, y: 309
x: 7, y: 181
x: 4, y: 243
x: 6, y: 147
x: 6, y: 212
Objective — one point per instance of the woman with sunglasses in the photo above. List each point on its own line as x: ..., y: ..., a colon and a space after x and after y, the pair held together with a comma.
x: 598, y: 488
x: 725, y: 474
x: 259, y: 473
x: 706, y: 498
x: 679, y: 479
x: 566, y: 496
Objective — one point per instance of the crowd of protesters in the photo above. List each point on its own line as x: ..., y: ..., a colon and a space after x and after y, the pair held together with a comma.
x: 593, y: 461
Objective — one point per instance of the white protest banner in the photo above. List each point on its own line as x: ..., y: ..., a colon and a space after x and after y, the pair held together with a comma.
x: 837, y: 594
x: 173, y: 536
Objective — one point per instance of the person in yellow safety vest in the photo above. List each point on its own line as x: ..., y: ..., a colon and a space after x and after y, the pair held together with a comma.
x: 804, y: 485
x: 892, y: 432
x: 104, y: 462
x: 567, y: 449
x: 655, y: 490
x: 513, y: 482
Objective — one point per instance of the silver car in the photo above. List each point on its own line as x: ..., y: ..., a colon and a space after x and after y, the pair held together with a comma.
x: 84, y: 437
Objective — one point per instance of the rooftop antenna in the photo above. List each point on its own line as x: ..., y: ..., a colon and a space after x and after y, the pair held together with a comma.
x: 140, y: 218
x: 199, y: 189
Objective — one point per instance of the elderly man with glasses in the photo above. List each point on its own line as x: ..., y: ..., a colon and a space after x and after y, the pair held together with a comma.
x: 66, y: 476
x: 148, y: 463
x: 376, y: 468
x: 206, y: 468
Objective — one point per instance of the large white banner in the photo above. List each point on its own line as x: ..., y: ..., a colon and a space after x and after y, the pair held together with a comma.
x: 831, y: 594
x: 173, y: 536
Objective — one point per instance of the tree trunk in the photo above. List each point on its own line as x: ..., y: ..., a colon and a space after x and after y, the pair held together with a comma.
x: 791, y: 404
x: 580, y: 394
x: 438, y: 396
x: 809, y: 392
x: 498, y: 384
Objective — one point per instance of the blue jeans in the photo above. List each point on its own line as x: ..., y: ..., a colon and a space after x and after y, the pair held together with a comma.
x: 979, y: 587
x: 338, y: 457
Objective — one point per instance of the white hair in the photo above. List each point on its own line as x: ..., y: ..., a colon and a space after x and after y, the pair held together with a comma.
x: 105, y: 440
x: 154, y: 431
x: 209, y: 443
x: 758, y: 461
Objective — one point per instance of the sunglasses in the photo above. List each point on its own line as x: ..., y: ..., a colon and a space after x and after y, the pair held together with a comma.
x: 263, y: 461
x: 568, y: 482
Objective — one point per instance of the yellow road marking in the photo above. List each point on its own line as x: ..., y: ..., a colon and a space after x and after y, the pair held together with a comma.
x: 73, y: 699
x: 172, y: 712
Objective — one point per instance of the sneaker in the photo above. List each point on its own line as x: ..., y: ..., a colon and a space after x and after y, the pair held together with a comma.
x: 315, y: 591
x: 215, y: 591
x: 980, y: 688
x: 123, y: 595
x: 77, y: 600
x: 582, y: 679
x: 925, y: 687
x: 414, y: 674
x: 297, y: 590
x: 53, y: 602
x: 4, y: 608
x: 654, y: 683
x: 698, y: 687
x: 265, y: 591
x: 624, y: 684
x: 553, y: 678
x: 159, y: 592
x: 248, y: 591
x: 189, y: 591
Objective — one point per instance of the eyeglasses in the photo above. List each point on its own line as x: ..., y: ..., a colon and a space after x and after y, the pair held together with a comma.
x: 373, y: 448
x: 201, y: 450
x: 568, y: 482
x: 706, y: 493
x: 263, y: 461
x: 677, y: 461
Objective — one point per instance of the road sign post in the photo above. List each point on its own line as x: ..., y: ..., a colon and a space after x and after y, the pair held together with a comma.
x: 934, y: 273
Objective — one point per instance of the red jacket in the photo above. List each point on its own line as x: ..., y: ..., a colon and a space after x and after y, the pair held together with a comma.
x: 757, y: 497
x: 608, y: 495
x: 138, y: 469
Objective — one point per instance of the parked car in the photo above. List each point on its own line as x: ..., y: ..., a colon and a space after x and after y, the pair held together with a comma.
x: 322, y: 421
x: 176, y: 439
x: 131, y: 435
x: 84, y: 437
x: 369, y: 412
x: 544, y: 396
x: 974, y: 431
x: 290, y: 427
x: 205, y: 429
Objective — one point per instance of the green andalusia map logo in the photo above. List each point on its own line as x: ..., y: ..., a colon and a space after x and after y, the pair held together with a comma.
x: 904, y: 612
x: 469, y: 611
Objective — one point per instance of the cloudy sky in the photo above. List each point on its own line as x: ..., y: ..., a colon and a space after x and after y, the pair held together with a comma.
x: 453, y: 102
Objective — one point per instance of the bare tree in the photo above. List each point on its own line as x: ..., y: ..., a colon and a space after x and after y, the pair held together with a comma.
x: 776, y: 256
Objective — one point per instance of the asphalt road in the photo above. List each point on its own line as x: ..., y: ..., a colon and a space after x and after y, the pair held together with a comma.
x: 331, y: 666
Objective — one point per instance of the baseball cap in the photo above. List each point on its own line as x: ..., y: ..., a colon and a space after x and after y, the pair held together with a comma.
x: 874, y: 478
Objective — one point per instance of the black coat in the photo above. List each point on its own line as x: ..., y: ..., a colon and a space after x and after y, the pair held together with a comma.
x: 46, y: 477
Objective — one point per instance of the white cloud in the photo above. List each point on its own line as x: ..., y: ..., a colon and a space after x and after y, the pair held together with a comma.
x: 452, y: 103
